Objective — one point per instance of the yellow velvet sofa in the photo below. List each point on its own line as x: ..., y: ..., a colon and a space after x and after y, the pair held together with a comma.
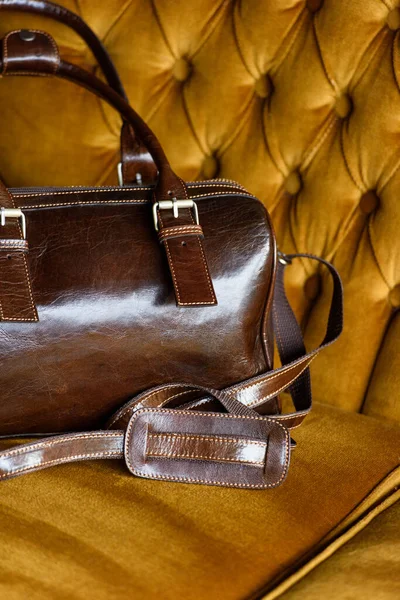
x: 300, y: 102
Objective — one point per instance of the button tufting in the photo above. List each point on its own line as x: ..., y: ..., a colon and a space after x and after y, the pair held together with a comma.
x: 312, y: 287
x: 369, y: 202
x: 263, y: 87
x: 394, y: 296
x: 181, y: 69
x: 393, y: 19
x: 343, y: 106
x: 293, y: 183
x: 314, y: 5
x: 210, y: 167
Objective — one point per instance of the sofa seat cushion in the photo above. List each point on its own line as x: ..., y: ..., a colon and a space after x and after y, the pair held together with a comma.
x: 367, y: 566
x: 90, y: 530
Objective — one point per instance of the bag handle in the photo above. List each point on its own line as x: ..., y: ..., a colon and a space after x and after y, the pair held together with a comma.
x: 187, y: 261
x: 240, y: 448
x: 136, y: 164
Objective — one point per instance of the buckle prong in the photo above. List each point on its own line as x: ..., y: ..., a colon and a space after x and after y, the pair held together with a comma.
x: 13, y: 213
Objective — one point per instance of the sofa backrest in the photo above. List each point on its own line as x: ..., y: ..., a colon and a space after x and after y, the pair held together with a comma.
x: 298, y: 101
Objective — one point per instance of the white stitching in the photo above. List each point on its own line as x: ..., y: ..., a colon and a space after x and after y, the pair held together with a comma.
x: 211, y: 458
x: 284, y: 371
x: 50, y: 443
x: 132, y: 407
x: 102, y: 202
x: 286, y: 385
x: 61, y: 461
x: 34, y: 317
x: 5, y: 54
x: 205, y: 438
x: 171, y: 264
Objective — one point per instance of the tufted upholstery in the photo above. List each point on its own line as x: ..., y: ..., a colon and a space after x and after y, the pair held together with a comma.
x: 299, y: 101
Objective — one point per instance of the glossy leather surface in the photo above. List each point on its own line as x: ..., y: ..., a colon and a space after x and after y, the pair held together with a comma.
x: 109, y: 326
x: 24, y: 51
x: 16, y: 299
x: 137, y: 164
x: 240, y: 449
x: 226, y: 449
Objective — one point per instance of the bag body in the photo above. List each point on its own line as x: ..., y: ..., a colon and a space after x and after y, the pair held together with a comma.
x: 145, y: 312
x: 109, y: 326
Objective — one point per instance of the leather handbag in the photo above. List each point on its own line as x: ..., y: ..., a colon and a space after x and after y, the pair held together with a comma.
x: 138, y: 321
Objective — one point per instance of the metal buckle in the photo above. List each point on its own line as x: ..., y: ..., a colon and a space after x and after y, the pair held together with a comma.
x: 13, y: 213
x: 120, y: 176
x: 283, y: 259
x: 175, y: 205
x: 139, y: 180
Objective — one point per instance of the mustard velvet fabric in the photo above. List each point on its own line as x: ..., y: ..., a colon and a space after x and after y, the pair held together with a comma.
x: 91, y: 531
x: 300, y: 102
x: 366, y: 567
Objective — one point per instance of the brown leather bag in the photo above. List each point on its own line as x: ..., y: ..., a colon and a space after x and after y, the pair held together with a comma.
x: 168, y: 293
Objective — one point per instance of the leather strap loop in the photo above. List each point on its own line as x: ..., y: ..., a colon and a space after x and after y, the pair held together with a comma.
x: 16, y: 296
x: 137, y: 164
x: 30, y: 52
x: 180, y: 231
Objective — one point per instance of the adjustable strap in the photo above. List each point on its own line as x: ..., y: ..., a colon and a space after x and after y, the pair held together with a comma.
x: 182, y: 237
x: 238, y: 448
x: 289, y: 338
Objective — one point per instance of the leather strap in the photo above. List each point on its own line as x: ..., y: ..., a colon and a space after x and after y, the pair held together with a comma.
x: 16, y: 298
x: 238, y: 448
x: 186, y: 258
x: 23, y: 57
x: 137, y: 164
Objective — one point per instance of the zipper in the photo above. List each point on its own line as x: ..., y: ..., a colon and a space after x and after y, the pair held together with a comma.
x: 130, y: 188
x: 75, y: 188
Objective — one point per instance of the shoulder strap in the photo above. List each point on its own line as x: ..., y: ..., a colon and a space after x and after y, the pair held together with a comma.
x: 238, y: 448
x: 289, y: 338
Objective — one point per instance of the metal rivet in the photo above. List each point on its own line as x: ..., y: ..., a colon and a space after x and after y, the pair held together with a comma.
x: 27, y: 36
